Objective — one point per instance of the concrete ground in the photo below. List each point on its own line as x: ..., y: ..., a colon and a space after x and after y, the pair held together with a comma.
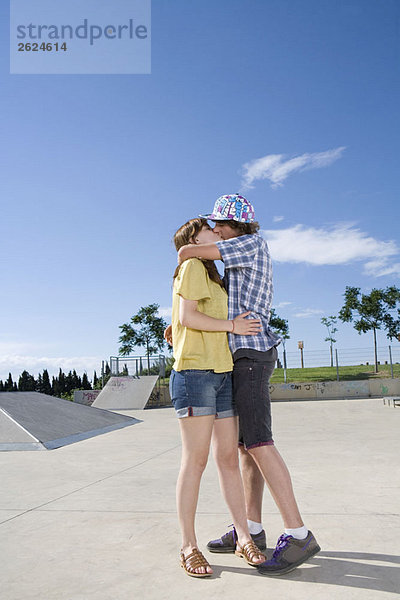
x: 97, y: 519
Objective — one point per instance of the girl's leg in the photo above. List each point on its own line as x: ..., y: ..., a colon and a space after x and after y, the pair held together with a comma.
x: 196, y: 436
x: 225, y: 450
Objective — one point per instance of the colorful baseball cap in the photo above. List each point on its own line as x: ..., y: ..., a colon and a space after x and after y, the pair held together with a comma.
x: 231, y: 207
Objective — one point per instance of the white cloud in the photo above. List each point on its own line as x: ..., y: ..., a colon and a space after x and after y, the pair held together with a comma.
x: 341, y: 244
x: 16, y: 363
x: 282, y: 304
x: 378, y: 268
x: 275, y: 168
x: 165, y: 311
x: 308, y: 312
x: 277, y: 219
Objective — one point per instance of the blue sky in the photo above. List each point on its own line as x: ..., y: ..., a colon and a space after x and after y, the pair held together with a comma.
x: 294, y: 103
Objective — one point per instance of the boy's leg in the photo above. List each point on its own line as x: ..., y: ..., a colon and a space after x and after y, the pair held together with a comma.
x: 253, y: 483
x: 278, y: 480
x: 251, y: 396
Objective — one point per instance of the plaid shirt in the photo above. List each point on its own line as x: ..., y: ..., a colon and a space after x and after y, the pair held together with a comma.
x: 248, y: 275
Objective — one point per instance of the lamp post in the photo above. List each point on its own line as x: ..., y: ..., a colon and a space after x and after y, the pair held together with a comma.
x: 301, y: 347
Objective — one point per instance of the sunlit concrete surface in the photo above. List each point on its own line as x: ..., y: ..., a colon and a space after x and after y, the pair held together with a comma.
x: 96, y: 519
x: 34, y: 421
x: 126, y: 393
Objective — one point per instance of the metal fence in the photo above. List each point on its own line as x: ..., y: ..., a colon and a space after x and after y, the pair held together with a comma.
x: 346, y: 357
x: 138, y: 366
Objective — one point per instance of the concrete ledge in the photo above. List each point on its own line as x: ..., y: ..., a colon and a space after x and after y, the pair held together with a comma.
x: 126, y: 393
x: 335, y: 390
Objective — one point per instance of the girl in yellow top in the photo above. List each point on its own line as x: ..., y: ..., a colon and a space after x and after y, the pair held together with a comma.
x: 201, y: 392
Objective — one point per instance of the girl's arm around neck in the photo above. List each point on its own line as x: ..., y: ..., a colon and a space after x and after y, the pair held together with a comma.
x: 207, y: 251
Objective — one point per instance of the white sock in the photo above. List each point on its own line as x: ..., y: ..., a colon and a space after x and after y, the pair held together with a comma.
x: 254, y: 527
x: 299, y: 534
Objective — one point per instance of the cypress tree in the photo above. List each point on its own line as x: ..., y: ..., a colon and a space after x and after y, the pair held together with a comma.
x: 10, y: 383
x: 26, y: 382
x: 85, y: 382
x: 61, y: 382
x: 23, y: 381
x: 76, y: 381
x: 2, y: 385
x: 95, y: 380
x: 68, y: 383
x: 46, y: 383
x: 55, y: 388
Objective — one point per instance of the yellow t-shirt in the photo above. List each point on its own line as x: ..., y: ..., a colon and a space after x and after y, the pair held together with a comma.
x: 194, y: 349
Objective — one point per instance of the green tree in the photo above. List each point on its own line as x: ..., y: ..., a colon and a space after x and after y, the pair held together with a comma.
x: 330, y: 323
x: 95, y: 380
x: 26, y: 382
x: 281, y: 326
x: 54, y: 387
x: 149, y: 334
x: 59, y: 384
x: 1, y: 386
x: 9, y: 385
x: 76, y: 381
x: 85, y: 382
x: 46, y: 385
x: 69, y: 386
x: 372, y: 311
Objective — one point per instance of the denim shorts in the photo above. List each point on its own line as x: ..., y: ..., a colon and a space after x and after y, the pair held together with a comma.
x: 251, y: 398
x: 196, y: 392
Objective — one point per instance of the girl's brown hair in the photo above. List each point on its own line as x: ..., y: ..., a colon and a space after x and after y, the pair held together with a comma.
x: 185, y: 235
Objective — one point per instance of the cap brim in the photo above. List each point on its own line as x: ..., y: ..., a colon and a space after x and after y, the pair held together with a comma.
x: 212, y: 217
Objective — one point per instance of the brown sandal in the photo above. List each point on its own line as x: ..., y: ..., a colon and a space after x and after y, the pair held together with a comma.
x: 250, y: 552
x: 194, y: 561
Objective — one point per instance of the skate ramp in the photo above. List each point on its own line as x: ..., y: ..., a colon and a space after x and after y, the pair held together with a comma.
x: 35, y: 421
x: 126, y: 393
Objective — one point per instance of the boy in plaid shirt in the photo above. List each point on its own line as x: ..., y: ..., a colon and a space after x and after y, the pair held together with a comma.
x: 248, y: 278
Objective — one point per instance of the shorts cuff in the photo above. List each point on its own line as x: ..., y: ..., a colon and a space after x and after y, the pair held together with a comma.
x: 194, y: 411
x: 226, y: 413
x: 270, y: 443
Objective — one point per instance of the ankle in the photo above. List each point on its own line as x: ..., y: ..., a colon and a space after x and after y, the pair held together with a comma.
x: 255, y: 527
x: 188, y: 548
x: 299, y: 533
x: 242, y: 540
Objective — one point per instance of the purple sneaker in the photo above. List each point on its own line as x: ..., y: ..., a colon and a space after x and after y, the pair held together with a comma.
x: 289, y: 554
x: 227, y: 543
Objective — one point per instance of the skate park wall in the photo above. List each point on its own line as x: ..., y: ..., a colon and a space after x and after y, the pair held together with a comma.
x: 330, y: 390
x: 126, y: 393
